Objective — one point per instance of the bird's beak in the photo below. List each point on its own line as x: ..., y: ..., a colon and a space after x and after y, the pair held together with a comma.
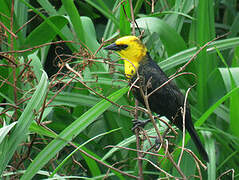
x: 113, y: 47
x: 116, y: 47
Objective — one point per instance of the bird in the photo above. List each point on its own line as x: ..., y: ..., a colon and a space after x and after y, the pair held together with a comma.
x: 141, y: 71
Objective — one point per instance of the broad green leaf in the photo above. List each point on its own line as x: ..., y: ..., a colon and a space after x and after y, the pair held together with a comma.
x: 185, y: 55
x: 124, y: 22
x: 5, y: 129
x: 75, y: 19
x: 211, y: 149
x: 69, y: 133
x: 205, y: 31
x: 36, y: 64
x: 94, y: 168
x: 44, y: 32
x: 20, y: 131
x: 127, y: 142
x: 226, y: 77
x: 172, y: 41
x: 100, y: 5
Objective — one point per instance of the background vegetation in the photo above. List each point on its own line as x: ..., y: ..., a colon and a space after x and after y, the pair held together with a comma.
x: 64, y: 99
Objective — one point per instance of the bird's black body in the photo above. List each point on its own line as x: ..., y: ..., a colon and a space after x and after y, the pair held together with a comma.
x: 166, y: 101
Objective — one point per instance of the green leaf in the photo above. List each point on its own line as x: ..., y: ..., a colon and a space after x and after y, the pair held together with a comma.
x: 70, y: 132
x: 92, y: 165
x: 185, y: 55
x: 75, y: 19
x: 205, y: 31
x: 5, y: 129
x: 211, y: 149
x: 45, y: 32
x: 100, y: 5
x: 20, y: 131
x: 172, y: 41
x: 127, y: 142
x: 215, y: 105
x: 41, y: 130
x: 124, y: 22
x: 36, y: 64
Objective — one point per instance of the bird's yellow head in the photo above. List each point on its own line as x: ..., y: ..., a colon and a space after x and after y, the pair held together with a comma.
x: 132, y: 50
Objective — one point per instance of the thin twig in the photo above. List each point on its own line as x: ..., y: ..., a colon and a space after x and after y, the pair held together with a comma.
x: 14, y: 67
x: 26, y: 23
x: 84, y: 84
x: 160, y: 169
x: 136, y: 150
x: 195, y: 158
x: 152, y: 7
x: 198, y: 51
x: 145, y: 97
x: 103, y: 163
x: 138, y: 143
x: 184, y: 131
x: 166, y: 82
x: 132, y: 17
x: 28, y: 152
x: 35, y: 47
x: 168, y: 125
x: 229, y: 170
x: 10, y: 32
x: 169, y: 156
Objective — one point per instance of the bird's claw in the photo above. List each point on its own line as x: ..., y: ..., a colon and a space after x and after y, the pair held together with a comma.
x: 139, y: 123
x: 157, y: 143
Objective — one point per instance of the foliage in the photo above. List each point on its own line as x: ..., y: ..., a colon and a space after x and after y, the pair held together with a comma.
x: 60, y: 90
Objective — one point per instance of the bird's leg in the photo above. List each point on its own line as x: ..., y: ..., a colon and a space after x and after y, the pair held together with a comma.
x: 157, y: 143
x: 141, y: 123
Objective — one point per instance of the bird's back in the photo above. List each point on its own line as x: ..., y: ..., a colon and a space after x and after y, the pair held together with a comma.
x: 166, y: 101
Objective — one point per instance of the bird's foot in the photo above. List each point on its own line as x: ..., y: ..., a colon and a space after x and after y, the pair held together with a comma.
x: 157, y: 143
x: 139, y: 123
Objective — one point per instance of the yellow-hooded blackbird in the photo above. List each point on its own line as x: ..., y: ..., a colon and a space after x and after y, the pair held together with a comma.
x: 166, y: 101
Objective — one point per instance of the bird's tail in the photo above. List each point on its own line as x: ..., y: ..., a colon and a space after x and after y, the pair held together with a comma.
x: 191, y: 130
